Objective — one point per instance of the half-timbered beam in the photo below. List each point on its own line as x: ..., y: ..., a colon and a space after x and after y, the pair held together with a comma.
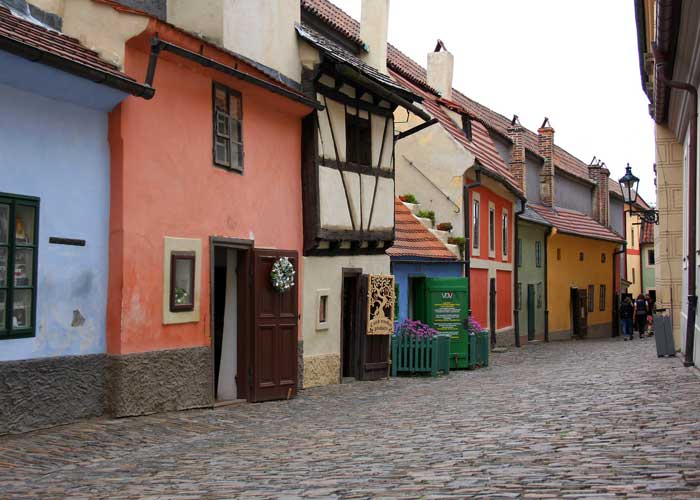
x: 345, y: 166
x: 342, y: 98
x: 415, y: 129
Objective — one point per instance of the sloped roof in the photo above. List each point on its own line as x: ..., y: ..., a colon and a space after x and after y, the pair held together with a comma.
x: 646, y: 235
x: 530, y: 215
x: 576, y: 223
x: 41, y: 44
x: 413, y: 239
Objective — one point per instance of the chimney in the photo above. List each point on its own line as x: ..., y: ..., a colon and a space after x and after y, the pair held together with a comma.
x: 262, y: 30
x: 440, y: 68
x: 601, y: 195
x: 517, y: 156
x: 374, y: 27
x: 545, y: 144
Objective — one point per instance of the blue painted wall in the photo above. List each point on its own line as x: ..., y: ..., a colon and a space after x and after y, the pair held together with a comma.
x: 58, y: 151
x: 403, y: 270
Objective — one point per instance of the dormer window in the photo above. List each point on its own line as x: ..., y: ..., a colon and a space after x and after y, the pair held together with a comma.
x: 358, y: 136
x: 467, y: 127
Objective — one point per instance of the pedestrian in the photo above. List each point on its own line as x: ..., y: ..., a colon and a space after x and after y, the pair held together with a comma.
x: 626, y: 317
x: 640, y: 314
x: 651, y: 310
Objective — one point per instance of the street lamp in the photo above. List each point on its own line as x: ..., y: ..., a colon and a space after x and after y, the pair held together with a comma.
x: 629, y: 184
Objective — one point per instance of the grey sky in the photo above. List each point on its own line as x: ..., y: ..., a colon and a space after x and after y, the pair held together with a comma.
x: 575, y: 62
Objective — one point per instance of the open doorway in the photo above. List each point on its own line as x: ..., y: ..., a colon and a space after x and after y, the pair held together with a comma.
x: 350, y: 349
x: 229, y: 322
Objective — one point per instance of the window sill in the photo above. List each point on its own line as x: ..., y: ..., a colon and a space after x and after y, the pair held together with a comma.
x: 229, y: 169
x: 17, y: 335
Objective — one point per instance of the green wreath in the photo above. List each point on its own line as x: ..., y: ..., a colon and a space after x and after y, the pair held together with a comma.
x: 282, y: 275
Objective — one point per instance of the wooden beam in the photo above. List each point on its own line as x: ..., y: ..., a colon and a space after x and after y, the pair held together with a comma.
x: 344, y: 166
x: 336, y: 95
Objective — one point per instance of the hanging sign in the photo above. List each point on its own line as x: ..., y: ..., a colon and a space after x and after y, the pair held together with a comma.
x: 380, y: 304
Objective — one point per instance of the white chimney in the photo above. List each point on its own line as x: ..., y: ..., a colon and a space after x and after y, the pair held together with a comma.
x: 440, y: 68
x: 374, y: 27
x: 262, y: 30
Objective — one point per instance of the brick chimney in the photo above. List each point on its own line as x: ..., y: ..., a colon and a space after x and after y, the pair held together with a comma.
x: 601, y: 195
x: 374, y: 27
x: 517, y: 156
x: 440, y: 69
x: 545, y: 144
x: 262, y: 30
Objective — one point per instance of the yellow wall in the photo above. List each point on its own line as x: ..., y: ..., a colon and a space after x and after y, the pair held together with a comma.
x: 634, y: 261
x: 570, y: 272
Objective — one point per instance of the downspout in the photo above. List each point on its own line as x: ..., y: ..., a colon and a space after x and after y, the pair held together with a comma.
x: 516, y: 256
x: 617, y: 283
x: 692, y: 218
x: 549, y: 233
x: 467, y: 231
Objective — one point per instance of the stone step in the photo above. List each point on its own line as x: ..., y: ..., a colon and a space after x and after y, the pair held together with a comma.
x: 441, y: 235
x: 453, y: 248
x: 426, y: 222
x: 413, y: 207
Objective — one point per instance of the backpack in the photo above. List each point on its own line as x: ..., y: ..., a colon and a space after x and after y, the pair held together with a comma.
x: 641, y: 306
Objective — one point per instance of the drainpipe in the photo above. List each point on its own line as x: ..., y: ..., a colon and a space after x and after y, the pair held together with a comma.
x: 616, y: 283
x: 467, y: 231
x: 550, y: 232
x: 516, y: 256
x: 692, y: 218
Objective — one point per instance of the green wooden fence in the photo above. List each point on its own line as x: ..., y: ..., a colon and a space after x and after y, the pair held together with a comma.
x: 428, y: 355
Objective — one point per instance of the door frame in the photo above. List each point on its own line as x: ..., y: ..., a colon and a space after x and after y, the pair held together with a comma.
x: 243, y: 331
x: 355, y: 272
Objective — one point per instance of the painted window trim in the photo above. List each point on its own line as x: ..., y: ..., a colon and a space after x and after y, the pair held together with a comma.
x: 602, y: 297
x: 476, y: 225
x: 13, y: 200
x: 229, y: 92
x: 175, y: 256
x: 492, y: 229
x: 505, y: 234
x: 324, y: 292
x: 538, y: 253
x: 591, y: 298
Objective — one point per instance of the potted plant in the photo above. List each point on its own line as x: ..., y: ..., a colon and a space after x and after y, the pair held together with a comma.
x: 408, y: 198
x: 418, y: 348
x: 445, y: 226
x: 459, y: 241
x: 427, y: 214
x: 478, y: 343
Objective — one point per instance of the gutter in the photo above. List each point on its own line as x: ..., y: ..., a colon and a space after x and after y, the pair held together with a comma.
x: 101, y: 77
x: 550, y: 232
x: 692, y: 218
x: 516, y: 310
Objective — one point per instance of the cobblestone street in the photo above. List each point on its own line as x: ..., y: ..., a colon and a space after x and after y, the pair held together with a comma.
x: 591, y: 419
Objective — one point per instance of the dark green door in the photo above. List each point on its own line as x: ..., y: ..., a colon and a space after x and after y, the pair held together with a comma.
x: 530, y: 312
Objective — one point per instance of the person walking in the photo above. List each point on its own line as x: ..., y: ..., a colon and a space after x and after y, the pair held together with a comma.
x: 626, y: 317
x: 641, y: 309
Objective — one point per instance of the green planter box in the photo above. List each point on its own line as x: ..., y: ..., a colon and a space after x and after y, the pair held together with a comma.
x: 482, y: 348
x: 471, y: 351
x: 459, y: 351
x: 411, y: 355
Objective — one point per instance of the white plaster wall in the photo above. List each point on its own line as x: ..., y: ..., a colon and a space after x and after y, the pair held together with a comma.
x: 374, y: 28
x: 442, y: 160
x: 203, y: 17
x: 332, y: 202
x: 327, y: 273
x: 440, y: 68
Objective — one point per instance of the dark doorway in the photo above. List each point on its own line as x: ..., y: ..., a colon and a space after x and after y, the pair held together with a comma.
x: 531, y: 312
x: 492, y: 310
x: 579, y: 312
x: 350, y: 325
x: 275, y: 327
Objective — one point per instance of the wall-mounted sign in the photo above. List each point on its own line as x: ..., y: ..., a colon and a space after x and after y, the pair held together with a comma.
x: 380, y: 304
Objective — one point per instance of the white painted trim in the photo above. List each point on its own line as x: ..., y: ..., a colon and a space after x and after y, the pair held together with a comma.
x: 492, y: 230
x: 490, y: 264
x: 323, y: 292
x: 476, y: 250
x: 505, y: 223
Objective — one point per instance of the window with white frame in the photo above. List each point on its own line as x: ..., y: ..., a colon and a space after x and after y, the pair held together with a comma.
x: 504, y: 230
x: 492, y: 230
x: 476, y: 225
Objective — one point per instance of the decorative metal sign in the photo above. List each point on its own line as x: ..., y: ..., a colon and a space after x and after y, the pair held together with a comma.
x: 380, y: 304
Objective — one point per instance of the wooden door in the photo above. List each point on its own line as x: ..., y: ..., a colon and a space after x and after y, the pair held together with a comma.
x: 531, y: 312
x: 374, y: 349
x: 275, y: 326
x: 350, y: 312
x: 492, y: 310
x: 579, y: 312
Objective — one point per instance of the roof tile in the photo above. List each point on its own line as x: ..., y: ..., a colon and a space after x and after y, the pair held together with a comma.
x: 413, y: 239
x: 576, y: 223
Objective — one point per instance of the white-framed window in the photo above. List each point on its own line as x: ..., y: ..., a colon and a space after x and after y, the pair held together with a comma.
x: 322, y: 308
x: 476, y: 223
x: 651, y: 258
x: 504, y: 235
x: 538, y: 253
x: 492, y: 230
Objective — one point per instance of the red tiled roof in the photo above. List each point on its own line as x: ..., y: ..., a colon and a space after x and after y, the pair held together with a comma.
x: 575, y: 223
x: 647, y: 234
x: 413, y: 239
x: 53, y: 42
x: 335, y: 17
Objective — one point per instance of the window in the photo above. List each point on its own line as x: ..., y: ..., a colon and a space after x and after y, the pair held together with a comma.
x: 632, y: 243
x: 591, y: 298
x: 228, y: 134
x: 538, y: 254
x: 651, y: 258
x: 322, y: 308
x: 558, y: 253
x: 504, y: 230
x: 182, y: 281
x: 540, y: 289
x: 580, y: 256
x: 602, y: 258
x: 518, y: 296
x: 492, y: 231
x: 467, y: 127
x: 475, y: 223
x: 520, y: 252
x: 634, y: 277
x: 602, y: 297
x: 19, y: 217
x: 358, y: 140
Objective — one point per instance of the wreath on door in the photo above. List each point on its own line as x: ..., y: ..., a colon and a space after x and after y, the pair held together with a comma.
x: 282, y: 275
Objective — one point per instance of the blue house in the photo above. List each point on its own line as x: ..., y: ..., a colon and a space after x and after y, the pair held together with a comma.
x: 416, y: 253
x: 55, y: 97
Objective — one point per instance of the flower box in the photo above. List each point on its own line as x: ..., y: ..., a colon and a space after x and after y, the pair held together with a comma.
x: 420, y: 355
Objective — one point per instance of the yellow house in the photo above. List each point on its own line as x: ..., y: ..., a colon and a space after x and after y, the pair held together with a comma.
x: 580, y: 290
x: 633, y: 258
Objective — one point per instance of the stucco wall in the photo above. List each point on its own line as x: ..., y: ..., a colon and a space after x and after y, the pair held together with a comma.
x: 648, y: 270
x: 530, y: 274
x: 574, y: 195
x: 532, y: 178
x: 58, y: 151
x: 405, y: 270
x: 634, y: 263
x: 616, y: 214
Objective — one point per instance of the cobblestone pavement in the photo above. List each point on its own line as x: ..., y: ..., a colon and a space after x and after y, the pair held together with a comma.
x: 593, y: 419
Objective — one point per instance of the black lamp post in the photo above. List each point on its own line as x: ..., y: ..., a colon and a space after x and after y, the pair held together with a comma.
x: 629, y: 184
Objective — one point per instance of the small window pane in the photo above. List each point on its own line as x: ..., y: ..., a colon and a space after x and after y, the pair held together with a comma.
x: 24, y: 225
x: 235, y: 128
x: 3, y: 267
x: 322, y: 309
x: 184, y: 270
x: 235, y: 107
x: 221, y: 150
x: 22, y: 309
x: 3, y: 302
x: 236, y: 155
x: 24, y: 267
x: 220, y: 99
x: 4, y: 224
x: 222, y: 124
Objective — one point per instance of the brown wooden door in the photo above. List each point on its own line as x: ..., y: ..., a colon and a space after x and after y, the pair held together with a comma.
x: 275, y: 326
x: 374, y: 349
x: 579, y: 312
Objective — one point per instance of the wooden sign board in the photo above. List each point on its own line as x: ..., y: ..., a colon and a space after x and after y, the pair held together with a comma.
x: 380, y: 304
